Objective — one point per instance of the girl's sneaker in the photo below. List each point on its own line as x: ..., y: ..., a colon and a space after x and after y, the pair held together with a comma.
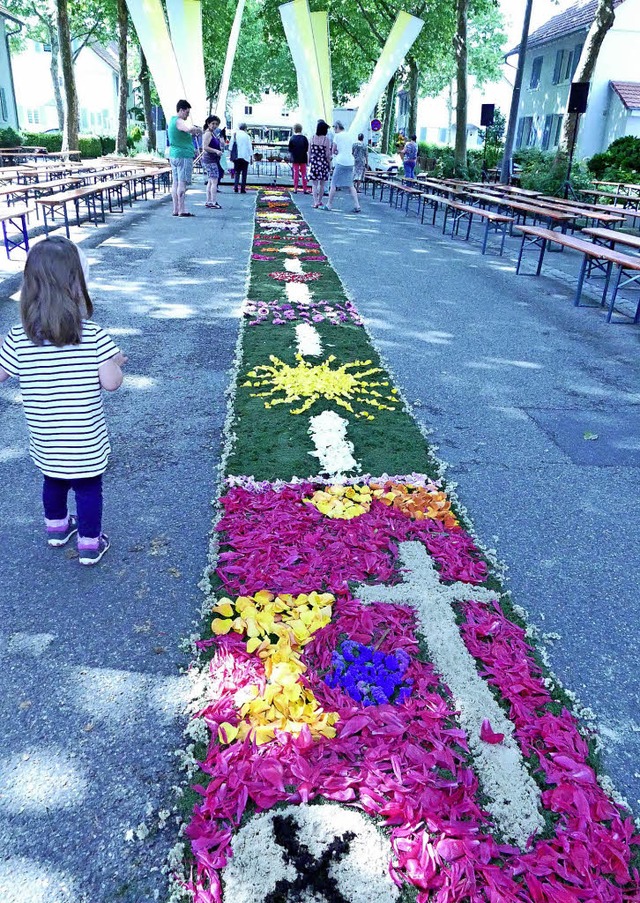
x: 57, y: 538
x: 93, y: 556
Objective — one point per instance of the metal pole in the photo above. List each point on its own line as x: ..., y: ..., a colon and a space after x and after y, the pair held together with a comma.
x: 567, y: 185
x: 505, y: 174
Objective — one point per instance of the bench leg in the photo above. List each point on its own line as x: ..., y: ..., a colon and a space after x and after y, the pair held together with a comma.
x: 504, y: 238
x: 606, y: 283
x: 524, y: 238
x: 614, y: 295
x: 583, y: 270
x: 469, y: 227
x: 444, y: 220
x: 541, y: 258
x: 66, y: 220
x: 486, y: 236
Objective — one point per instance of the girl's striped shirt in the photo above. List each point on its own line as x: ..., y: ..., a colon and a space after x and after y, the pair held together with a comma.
x: 62, y: 400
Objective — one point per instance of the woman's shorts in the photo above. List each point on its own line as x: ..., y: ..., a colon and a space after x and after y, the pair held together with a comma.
x: 342, y: 177
x: 211, y: 168
x: 182, y: 169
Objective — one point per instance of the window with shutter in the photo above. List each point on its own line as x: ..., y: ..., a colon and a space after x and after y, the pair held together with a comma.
x: 519, y: 133
x: 530, y: 132
x: 557, y: 69
x: 568, y: 65
x: 536, y: 69
x: 546, y: 133
x: 577, y: 53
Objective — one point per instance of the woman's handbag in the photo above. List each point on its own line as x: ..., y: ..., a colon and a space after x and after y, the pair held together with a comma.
x: 233, y: 155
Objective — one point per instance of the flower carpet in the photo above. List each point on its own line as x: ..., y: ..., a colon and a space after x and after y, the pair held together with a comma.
x: 371, y: 716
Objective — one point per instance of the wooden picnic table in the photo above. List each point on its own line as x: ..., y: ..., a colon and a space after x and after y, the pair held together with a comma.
x: 626, y: 199
x: 581, y: 213
x: 525, y: 208
x: 16, y: 217
x: 624, y: 188
x: 509, y: 189
x: 606, y: 258
x: 611, y: 238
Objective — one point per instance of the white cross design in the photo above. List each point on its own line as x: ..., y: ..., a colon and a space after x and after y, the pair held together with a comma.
x: 514, y: 796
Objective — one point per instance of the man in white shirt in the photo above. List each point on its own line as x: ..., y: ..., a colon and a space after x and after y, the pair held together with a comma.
x: 343, y: 167
x: 244, y: 150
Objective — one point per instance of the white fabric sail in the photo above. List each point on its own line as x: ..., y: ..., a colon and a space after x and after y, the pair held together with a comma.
x: 320, y: 30
x: 185, y: 22
x: 296, y: 20
x: 232, y: 46
x: 153, y: 33
x: 405, y: 30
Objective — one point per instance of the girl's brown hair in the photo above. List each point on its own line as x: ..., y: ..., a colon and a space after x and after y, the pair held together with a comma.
x: 54, y: 298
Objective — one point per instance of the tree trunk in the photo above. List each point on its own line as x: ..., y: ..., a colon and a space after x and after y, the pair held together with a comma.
x: 600, y: 26
x: 460, y: 44
x: 413, y: 98
x: 507, y: 155
x: 123, y: 76
x: 70, y: 133
x: 54, y: 68
x: 389, y: 113
x: 146, y: 101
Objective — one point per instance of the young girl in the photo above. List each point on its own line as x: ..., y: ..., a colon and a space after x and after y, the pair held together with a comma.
x: 63, y: 360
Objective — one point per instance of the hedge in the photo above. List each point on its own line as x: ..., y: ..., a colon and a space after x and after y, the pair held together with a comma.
x: 9, y: 138
x: 88, y: 145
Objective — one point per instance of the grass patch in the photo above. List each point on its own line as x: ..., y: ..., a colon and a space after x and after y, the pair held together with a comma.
x: 272, y: 443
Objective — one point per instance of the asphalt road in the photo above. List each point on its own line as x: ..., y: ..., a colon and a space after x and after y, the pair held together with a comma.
x: 505, y: 371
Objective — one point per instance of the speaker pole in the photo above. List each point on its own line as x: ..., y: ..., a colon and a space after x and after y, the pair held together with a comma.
x: 568, y: 188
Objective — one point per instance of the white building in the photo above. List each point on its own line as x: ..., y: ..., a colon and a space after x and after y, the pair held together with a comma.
x: 553, y: 52
x: 97, y: 78
x: 8, y: 109
x: 436, y: 116
x: 268, y: 118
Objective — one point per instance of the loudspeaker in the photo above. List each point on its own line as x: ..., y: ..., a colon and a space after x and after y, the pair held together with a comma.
x: 486, y: 114
x: 578, y: 97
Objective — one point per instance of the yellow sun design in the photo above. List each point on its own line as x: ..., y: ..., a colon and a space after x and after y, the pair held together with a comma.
x: 310, y: 382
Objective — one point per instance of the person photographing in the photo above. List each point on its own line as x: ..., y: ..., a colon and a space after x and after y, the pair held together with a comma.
x: 181, y: 154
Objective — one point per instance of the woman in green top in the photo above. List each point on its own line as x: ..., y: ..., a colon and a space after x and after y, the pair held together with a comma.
x: 181, y: 155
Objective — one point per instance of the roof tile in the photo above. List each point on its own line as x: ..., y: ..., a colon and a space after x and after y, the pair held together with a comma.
x: 629, y: 94
x: 577, y: 17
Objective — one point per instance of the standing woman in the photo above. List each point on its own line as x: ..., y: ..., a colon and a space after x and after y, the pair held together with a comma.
x: 320, y: 151
x: 211, y: 153
x: 359, y: 151
x: 343, y: 167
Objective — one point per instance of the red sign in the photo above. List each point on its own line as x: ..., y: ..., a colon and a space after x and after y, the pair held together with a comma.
x: 376, y: 125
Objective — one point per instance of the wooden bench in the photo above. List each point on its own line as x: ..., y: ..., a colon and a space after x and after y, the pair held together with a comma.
x: 497, y: 222
x: 628, y: 267
x: 17, y: 217
x: 90, y: 194
x: 376, y: 181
